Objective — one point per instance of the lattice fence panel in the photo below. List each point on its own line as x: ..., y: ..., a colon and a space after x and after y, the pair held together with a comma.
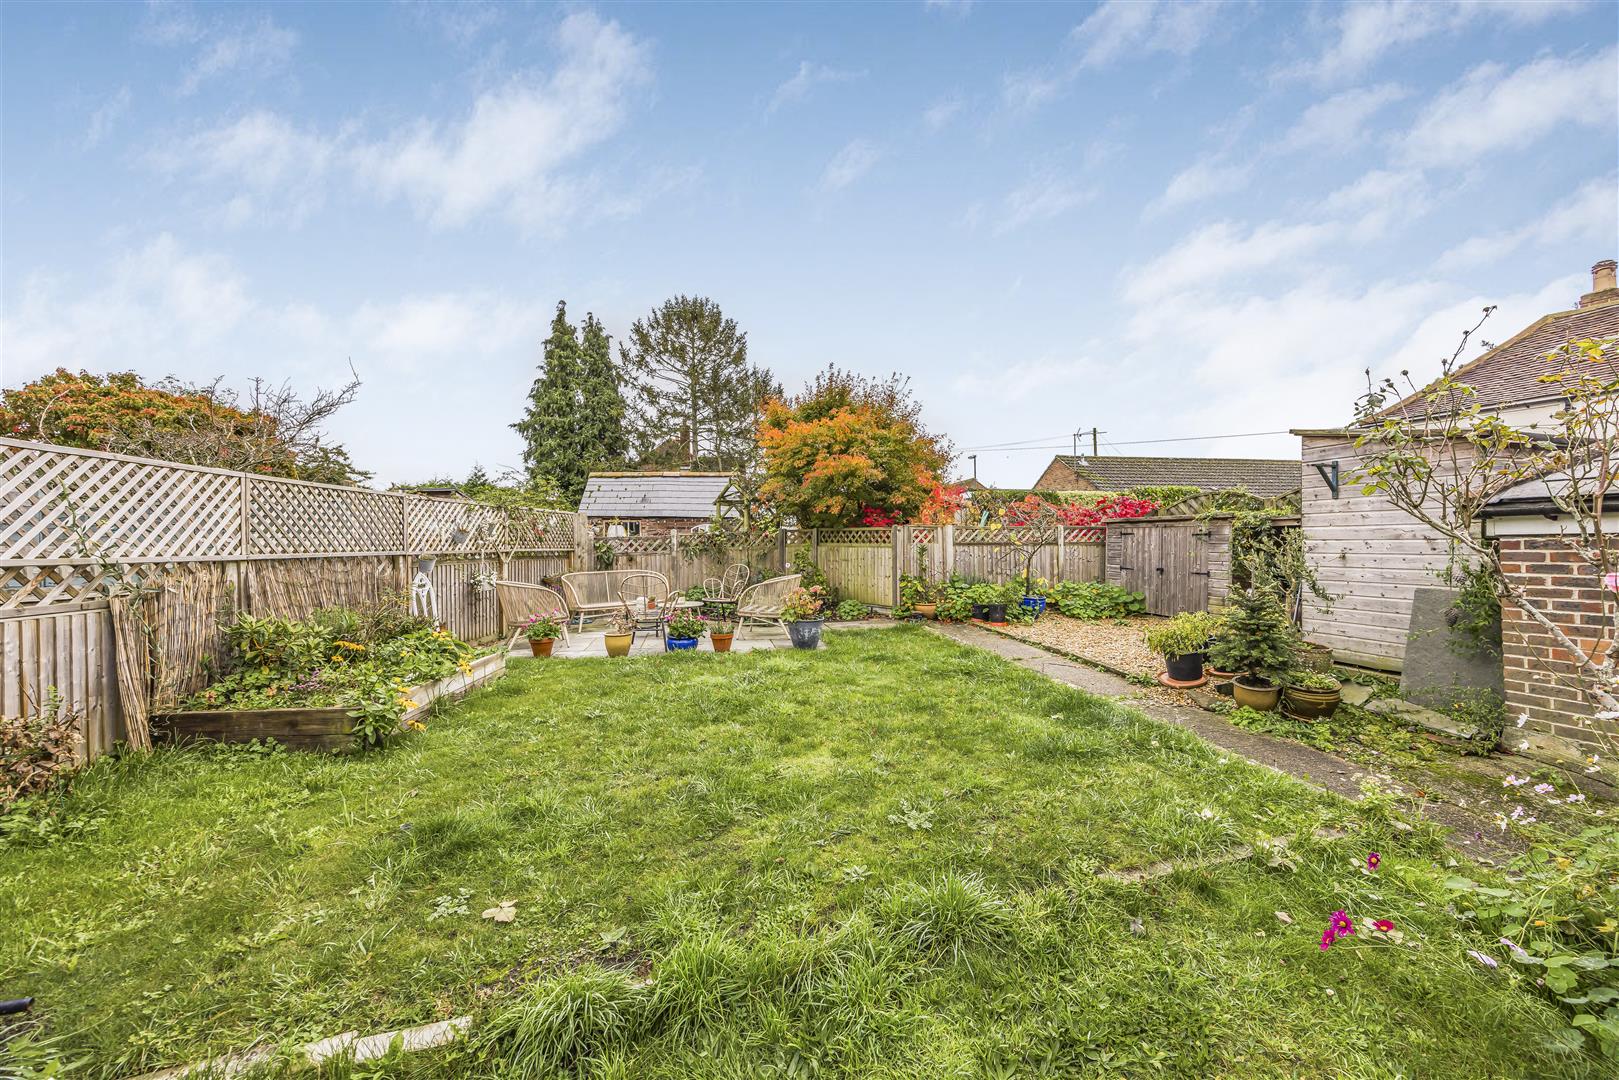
x: 640, y: 545
x: 58, y: 504
x: 1084, y: 534
x: 289, y: 518
x: 856, y: 536
x: 526, y: 529
x: 453, y: 525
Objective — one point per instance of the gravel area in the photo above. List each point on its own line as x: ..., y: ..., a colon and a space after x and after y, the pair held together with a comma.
x: 1117, y: 644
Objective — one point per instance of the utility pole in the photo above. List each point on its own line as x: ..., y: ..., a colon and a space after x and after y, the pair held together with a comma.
x: 1094, y: 449
x: 974, y: 459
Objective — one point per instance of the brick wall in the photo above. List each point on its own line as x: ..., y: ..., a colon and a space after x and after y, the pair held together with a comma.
x: 1541, y: 679
x: 650, y: 526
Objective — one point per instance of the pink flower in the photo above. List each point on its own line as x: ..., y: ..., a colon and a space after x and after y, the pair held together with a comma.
x: 1487, y: 961
x: 1327, y: 938
x: 1342, y: 924
x: 1383, y: 925
x: 1372, y: 860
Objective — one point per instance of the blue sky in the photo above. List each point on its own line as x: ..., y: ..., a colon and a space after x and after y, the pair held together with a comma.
x: 1160, y: 219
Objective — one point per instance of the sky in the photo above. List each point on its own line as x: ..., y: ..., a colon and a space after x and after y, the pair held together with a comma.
x: 1167, y: 221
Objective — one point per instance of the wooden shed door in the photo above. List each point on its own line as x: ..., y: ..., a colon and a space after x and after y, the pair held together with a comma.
x: 1169, y: 563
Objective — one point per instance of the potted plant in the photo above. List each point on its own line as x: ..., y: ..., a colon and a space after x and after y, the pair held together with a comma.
x: 1183, y: 640
x: 1260, y: 644
x: 620, y: 633
x: 682, y: 629
x: 1312, y: 695
x: 1033, y: 599
x: 803, y: 612
x: 721, y: 629
x: 988, y: 605
x: 916, y: 593
x: 542, y: 632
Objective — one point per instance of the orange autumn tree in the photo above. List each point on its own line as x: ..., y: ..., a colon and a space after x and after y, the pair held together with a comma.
x: 852, y: 448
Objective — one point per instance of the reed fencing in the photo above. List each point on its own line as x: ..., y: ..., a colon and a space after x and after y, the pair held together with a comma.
x: 79, y: 529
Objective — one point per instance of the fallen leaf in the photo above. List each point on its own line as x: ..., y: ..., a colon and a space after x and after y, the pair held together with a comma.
x: 503, y: 912
x: 1284, y: 918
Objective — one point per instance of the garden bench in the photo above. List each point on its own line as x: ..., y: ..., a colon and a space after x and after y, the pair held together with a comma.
x: 518, y: 600
x: 595, y: 592
x: 763, y: 603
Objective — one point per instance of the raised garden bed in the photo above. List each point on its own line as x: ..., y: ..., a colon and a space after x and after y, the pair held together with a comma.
x: 327, y: 728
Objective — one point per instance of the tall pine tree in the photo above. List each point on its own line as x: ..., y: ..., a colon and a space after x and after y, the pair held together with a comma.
x: 575, y: 417
x: 696, y: 399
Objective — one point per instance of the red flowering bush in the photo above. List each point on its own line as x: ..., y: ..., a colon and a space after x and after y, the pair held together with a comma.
x: 1028, y: 509
x: 875, y: 517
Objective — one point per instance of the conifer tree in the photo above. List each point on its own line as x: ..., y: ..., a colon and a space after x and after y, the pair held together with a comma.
x: 550, y: 425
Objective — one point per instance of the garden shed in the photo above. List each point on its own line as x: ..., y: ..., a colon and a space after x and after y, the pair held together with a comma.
x: 1178, y: 561
x: 1372, y: 557
x: 652, y: 503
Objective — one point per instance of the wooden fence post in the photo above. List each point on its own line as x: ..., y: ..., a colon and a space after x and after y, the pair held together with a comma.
x: 781, y: 548
x: 815, y: 546
x: 1062, y: 552
x: 947, y: 551
x: 897, y: 536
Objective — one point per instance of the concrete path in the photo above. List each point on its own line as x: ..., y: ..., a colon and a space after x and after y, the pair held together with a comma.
x: 1476, y: 835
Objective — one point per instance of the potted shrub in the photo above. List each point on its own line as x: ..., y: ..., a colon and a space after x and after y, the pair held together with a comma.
x: 1183, y: 641
x: 916, y: 594
x: 1312, y: 695
x: 1258, y: 643
x: 987, y: 603
x: 682, y: 629
x: 721, y: 629
x: 620, y: 633
x: 803, y: 612
x: 542, y: 632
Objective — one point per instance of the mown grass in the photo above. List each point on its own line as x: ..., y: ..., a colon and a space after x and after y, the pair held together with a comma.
x: 880, y: 860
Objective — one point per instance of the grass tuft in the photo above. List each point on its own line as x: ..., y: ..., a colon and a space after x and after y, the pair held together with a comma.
x: 560, y: 1022
x: 949, y: 916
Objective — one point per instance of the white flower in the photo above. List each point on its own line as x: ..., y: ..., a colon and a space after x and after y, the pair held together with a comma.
x: 1524, y: 745
x: 1487, y: 961
x: 1515, y: 781
x: 1544, y: 789
x: 1206, y: 814
x: 1575, y: 798
x: 1523, y: 718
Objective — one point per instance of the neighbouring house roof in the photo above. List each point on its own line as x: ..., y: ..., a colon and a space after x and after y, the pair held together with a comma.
x: 1509, y: 374
x: 652, y: 495
x: 1265, y: 477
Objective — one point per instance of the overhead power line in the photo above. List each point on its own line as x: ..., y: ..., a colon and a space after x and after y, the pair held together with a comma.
x: 1009, y: 447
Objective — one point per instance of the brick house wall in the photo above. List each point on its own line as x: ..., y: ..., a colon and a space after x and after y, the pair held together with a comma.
x: 1059, y: 477
x: 652, y: 526
x: 1541, y: 679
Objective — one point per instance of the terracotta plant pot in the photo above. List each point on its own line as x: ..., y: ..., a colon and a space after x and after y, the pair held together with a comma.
x: 541, y: 646
x: 722, y: 642
x: 1261, y: 697
x: 927, y: 611
x: 1184, y: 667
x: 619, y: 644
x: 1309, y: 704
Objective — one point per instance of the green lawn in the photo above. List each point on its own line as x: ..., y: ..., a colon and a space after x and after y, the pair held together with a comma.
x: 884, y: 859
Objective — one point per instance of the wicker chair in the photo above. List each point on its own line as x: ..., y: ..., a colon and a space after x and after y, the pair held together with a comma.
x: 595, y: 592
x: 736, y: 579
x: 639, y: 586
x: 520, y: 599
x: 763, y: 603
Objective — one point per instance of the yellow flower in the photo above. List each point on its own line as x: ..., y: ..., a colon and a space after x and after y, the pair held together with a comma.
x: 349, y: 645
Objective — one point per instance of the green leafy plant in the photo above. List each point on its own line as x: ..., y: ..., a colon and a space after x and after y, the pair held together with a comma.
x: 814, y: 576
x: 1553, y: 913
x: 722, y: 623
x: 541, y: 628
x: 1258, y: 640
x: 1312, y: 680
x: 1096, y: 600
x: 804, y: 604
x: 1182, y: 635
x: 696, y: 592
x: 606, y: 554
x: 852, y: 611
x: 913, y: 590
x: 683, y: 623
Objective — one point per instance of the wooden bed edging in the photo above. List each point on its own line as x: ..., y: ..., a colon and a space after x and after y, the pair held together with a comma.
x: 328, y: 728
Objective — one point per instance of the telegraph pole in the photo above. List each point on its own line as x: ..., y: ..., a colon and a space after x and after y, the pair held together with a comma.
x: 974, y: 459
x: 1094, y: 440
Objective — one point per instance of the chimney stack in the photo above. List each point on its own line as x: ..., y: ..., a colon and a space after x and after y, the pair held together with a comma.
x: 1604, y: 287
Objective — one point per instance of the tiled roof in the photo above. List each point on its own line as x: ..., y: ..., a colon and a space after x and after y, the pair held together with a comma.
x: 1509, y: 374
x: 652, y: 495
x: 1265, y: 477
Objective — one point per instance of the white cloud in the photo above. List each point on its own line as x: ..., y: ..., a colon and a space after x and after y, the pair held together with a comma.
x: 1046, y: 196
x: 955, y: 9
x: 1495, y: 109
x: 1590, y: 215
x: 1367, y: 31
x: 274, y: 171
x: 1339, y: 122
x: 1116, y: 30
x: 1370, y: 205
x: 1203, y: 179
x: 222, y: 46
x: 106, y: 117
x: 937, y: 117
x: 807, y: 78
x: 849, y: 164
x: 1022, y: 380
x: 1214, y: 255
x: 1139, y: 27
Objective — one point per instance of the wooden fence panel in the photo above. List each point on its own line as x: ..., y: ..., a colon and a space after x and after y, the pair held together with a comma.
x: 70, y: 652
x: 863, y: 571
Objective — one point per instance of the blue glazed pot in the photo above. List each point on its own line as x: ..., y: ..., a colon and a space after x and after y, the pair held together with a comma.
x: 1036, y: 604
x: 806, y: 633
x: 671, y: 644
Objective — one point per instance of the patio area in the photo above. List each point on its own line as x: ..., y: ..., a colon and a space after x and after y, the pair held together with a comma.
x: 590, y: 643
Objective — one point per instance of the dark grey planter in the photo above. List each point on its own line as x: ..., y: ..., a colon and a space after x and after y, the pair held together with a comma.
x: 806, y: 633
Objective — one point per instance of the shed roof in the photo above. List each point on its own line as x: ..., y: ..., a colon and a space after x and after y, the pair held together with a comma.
x: 652, y: 495
x: 1265, y: 477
